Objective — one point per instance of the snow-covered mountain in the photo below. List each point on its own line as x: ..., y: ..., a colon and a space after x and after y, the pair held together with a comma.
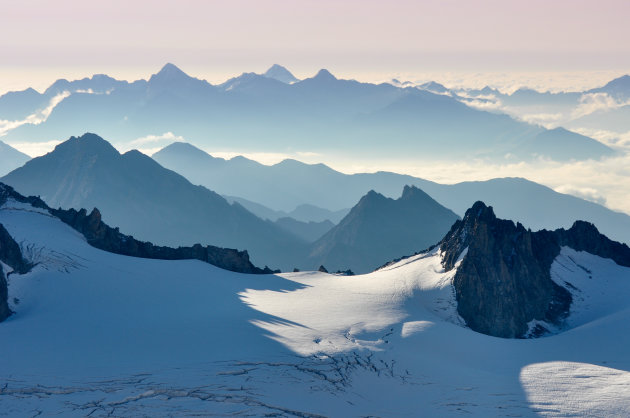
x: 96, y: 333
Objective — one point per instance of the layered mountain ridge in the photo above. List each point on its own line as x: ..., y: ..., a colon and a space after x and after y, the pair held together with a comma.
x: 283, y: 186
x: 319, y: 114
x: 148, y: 201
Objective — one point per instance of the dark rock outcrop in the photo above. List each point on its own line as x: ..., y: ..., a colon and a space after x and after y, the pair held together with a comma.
x: 5, y: 311
x: 11, y: 255
x: 100, y: 235
x: 504, y: 282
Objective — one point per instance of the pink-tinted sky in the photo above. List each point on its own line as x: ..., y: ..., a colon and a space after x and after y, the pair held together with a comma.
x: 237, y: 35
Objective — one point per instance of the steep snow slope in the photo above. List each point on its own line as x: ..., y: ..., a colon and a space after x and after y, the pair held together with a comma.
x: 98, y: 334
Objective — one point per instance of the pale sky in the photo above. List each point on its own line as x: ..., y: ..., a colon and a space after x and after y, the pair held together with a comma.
x: 357, y: 38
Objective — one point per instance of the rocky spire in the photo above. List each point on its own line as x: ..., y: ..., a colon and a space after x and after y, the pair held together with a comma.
x: 504, y: 280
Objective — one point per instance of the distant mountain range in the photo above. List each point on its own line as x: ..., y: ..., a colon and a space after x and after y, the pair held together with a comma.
x: 283, y: 186
x: 599, y: 109
x: 155, y: 204
x: 305, y: 212
x: 274, y: 112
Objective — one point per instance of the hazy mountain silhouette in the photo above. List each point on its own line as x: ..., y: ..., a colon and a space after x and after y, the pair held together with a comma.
x: 148, y: 201
x: 303, y: 213
x: 10, y: 158
x: 307, y: 231
x: 17, y: 105
x: 379, y: 229
x: 284, y: 186
x: 611, y: 119
x: 321, y: 113
x: 307, y: 212
x: 619, y: 88
x: 557, y: 141
x: 434, y: 87
x: 280, y: 73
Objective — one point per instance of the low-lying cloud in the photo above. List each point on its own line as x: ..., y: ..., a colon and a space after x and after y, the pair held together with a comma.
x: 150, y: 144
x: 595, y: 102
x: 36, y: 118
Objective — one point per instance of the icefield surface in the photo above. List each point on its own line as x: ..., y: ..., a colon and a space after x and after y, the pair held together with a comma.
x: 100, y: 334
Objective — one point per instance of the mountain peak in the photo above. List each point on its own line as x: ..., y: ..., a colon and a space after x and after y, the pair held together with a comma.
x: 324, y: 75
x: 623, y: 80
x: 170, y: 68
x: 280, y: 73
x: 168, y: 73
x: 434, y: 87
x: 372, y: 196
x: 411, y: 192
x: 180, y: 146
x: 87, y: 143
x: 503, y: 280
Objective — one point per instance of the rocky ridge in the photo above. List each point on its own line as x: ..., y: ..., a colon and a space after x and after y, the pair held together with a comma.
x: 102, y: 236
x: 503, y: 282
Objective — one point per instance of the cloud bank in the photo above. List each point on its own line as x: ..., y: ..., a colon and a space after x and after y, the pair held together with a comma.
x: 36, y: 118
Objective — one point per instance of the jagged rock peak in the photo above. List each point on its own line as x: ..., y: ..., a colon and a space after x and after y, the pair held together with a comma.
x: 504, y: 282
x: 369, y: 198
x: 462, y: 231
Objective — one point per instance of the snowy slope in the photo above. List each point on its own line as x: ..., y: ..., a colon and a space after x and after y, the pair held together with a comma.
x: 101, y: 334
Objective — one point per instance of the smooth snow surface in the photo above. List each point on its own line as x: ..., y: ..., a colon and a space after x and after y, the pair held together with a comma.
x: 101, y: 334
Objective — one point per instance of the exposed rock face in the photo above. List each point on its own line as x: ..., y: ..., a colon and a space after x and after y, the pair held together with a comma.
x: 10, y: 252
x: 11, y: 255
x: 100, y: 235
x: 5, y: 312
x: 504, y: 279
x: 583, y: 236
